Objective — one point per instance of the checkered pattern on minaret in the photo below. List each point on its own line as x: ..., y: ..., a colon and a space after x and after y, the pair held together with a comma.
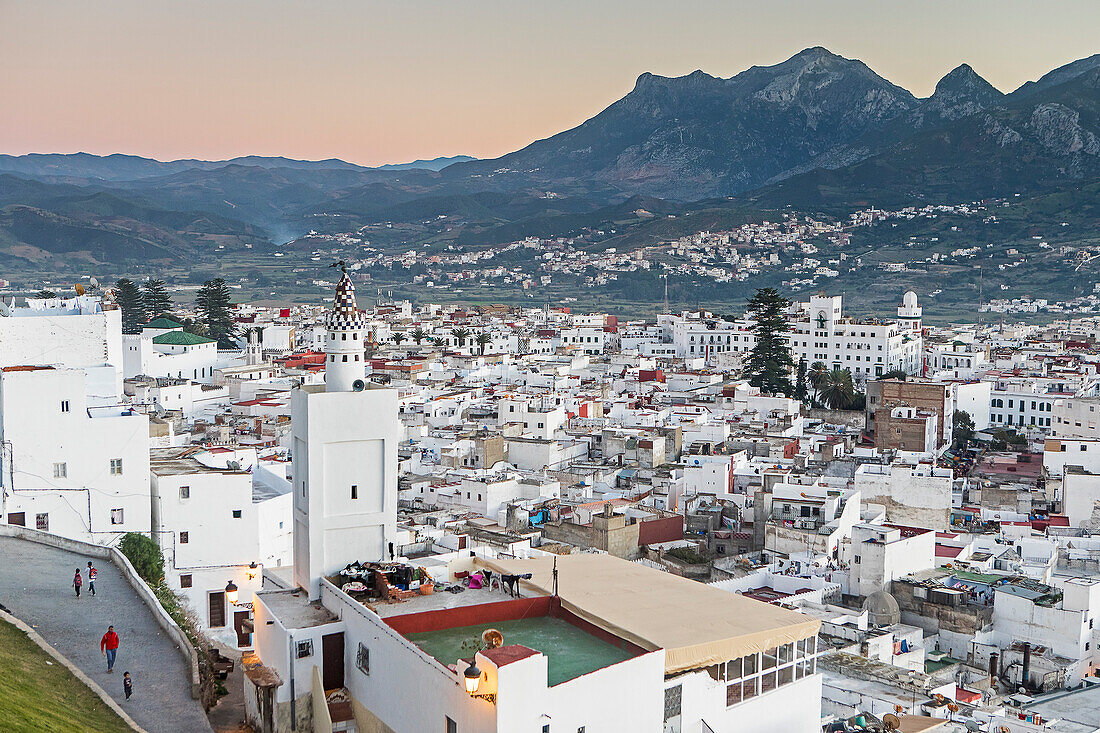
x: 344, y: 312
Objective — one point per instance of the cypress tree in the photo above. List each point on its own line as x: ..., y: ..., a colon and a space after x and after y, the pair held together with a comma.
x: 128, y: 297
x: 215, y: 307
x: 770, y: 362
x: 155, y: 296
x: 800, y: 380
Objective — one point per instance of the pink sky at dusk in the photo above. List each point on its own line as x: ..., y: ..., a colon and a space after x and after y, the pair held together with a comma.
x: 377, y: 81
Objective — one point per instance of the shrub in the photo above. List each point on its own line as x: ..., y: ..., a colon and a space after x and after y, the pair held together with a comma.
x: 144, y: 554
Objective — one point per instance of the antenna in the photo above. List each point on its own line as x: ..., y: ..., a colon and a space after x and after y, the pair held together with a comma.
x: 555, y: 576
x: 891, y: 721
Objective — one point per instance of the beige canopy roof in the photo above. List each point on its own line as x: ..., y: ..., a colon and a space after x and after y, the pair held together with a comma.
x: 695, y: 624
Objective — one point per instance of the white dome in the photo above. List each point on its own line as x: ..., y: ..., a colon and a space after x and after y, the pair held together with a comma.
x: 909, y: 300
x: 882, y: 608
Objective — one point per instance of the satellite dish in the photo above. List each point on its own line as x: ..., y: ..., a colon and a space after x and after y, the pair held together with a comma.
x: 492, y: 638
x: 158, y: 409
x: 79, y: 289
x: 94, y: 282
x: 233, y: 465
x: 891, y: 721
x: 358, y: 385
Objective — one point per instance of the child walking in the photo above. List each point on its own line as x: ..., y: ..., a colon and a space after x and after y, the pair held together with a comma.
x: 127, y: 684
x: 78, y: 581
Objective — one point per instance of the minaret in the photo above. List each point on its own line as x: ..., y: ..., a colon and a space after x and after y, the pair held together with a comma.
x: 344, y: 439
x: 254, y: 351
x: 344, y: 365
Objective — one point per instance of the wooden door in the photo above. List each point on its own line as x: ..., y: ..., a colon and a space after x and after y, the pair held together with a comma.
x: 332, y: 661
x: 244, y: 636
x: 217, y: 609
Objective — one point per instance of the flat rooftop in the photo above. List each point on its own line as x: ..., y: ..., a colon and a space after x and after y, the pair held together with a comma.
x: 293, y: 609
x: 570, y: 652
x: 439, y: 601
x: 695, y: 624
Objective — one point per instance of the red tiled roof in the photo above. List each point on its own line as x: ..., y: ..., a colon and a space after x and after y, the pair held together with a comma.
x: 505, y: 655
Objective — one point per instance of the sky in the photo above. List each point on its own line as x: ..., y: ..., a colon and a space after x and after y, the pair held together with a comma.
x: 385, y: 81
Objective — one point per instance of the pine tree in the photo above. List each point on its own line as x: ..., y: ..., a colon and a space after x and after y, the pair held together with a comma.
x: 156, y: 298
x: 215, y: 307
x: 800, y: 380
x: 770, y: 363
x: 128, y: 297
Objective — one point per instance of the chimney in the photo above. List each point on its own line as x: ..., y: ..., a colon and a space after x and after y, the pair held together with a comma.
x: 1027, y: 665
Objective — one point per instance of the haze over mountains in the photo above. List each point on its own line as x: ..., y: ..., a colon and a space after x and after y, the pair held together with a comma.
x: 817, y: 131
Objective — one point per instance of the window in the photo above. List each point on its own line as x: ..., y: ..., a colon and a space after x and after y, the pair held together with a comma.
x: 354, y: 491
x: 116, y: 516
x: 60, y: 470
x: 452, y: 727
x: 304, y: 649
x: 42, y: 522
x: 856, y: 559
x: 236, y: 513
x: 185, y: 493
x: 673, y: 698
x: 362, y: 659
x: 185, y: 581
x: 116, y: 466
x: 64, y: 405
x: 185, y: 537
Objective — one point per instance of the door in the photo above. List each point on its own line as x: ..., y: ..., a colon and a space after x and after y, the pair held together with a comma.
x: 243, y: 628
x: 217, y: 609
x: 19, y: 519
x: 332, y: 661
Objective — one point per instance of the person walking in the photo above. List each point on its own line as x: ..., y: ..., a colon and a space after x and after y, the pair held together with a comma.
x: 78, y: 581
x: 109, y: 646
x: 92, y: 575
x: 127, y: 684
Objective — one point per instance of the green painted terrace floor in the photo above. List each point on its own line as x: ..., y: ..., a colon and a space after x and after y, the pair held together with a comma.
x: 570, y: 651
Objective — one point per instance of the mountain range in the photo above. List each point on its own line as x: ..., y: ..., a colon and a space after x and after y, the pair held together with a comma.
x: 815, y: 132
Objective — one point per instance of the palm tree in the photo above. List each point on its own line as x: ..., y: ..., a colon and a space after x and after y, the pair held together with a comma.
x: 482, y: 340
x: 819, y: 374
x: 418, y: 334
x: 461, y: 334
x: 398, y: 338
x: 838, y: 390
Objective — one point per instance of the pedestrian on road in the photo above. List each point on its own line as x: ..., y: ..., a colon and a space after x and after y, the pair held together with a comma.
x: 127, y: 684
x: 92, y: 575
x: 77, y: 582
x: 109, y: 646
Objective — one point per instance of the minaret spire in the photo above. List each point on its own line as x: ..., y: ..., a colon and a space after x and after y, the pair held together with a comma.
x: 345, y: 360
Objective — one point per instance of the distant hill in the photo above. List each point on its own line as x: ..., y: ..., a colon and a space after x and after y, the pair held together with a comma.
x: 435, y: 164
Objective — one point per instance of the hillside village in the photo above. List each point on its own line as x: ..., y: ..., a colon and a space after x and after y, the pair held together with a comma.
x: 920, y: 539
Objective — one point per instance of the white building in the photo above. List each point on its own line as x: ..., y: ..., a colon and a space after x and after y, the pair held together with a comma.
x: 82, y: 333
x: 164, y: 349
x: 216, y: 524
x: 917, y: 495
x: 70, y: 468
x: 634, y: 649
x: 344, y: 449
x: 819, y: 332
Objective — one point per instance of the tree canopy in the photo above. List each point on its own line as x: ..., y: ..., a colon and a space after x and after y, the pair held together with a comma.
x: 215, y: 307
x: 770, y: 362
x: 130, y: 300
x: 154, y: 294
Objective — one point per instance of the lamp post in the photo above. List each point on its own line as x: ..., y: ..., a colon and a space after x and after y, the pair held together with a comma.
x: 472, y: 678
x: 231, y: 595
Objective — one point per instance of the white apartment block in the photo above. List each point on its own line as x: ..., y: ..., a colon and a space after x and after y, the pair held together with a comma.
x: 70, y: 468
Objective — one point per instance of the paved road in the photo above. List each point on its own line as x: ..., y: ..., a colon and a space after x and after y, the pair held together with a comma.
x: 36, y: 586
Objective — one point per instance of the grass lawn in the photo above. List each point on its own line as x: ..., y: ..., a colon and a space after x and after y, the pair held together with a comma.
x: 38, y: 694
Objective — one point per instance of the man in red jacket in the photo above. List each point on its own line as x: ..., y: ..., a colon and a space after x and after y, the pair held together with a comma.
x: 108, y: 645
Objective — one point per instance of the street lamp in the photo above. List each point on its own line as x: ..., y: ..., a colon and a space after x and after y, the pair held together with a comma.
x: 231, y: 592
x: 472, y: 678
x: 251, y: 572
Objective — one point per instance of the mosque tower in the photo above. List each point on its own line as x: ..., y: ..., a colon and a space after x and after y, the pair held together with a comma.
x: 344, y: 348
x: 344, y: 437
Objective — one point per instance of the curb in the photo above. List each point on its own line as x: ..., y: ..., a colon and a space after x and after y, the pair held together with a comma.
x: 76, y: 672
